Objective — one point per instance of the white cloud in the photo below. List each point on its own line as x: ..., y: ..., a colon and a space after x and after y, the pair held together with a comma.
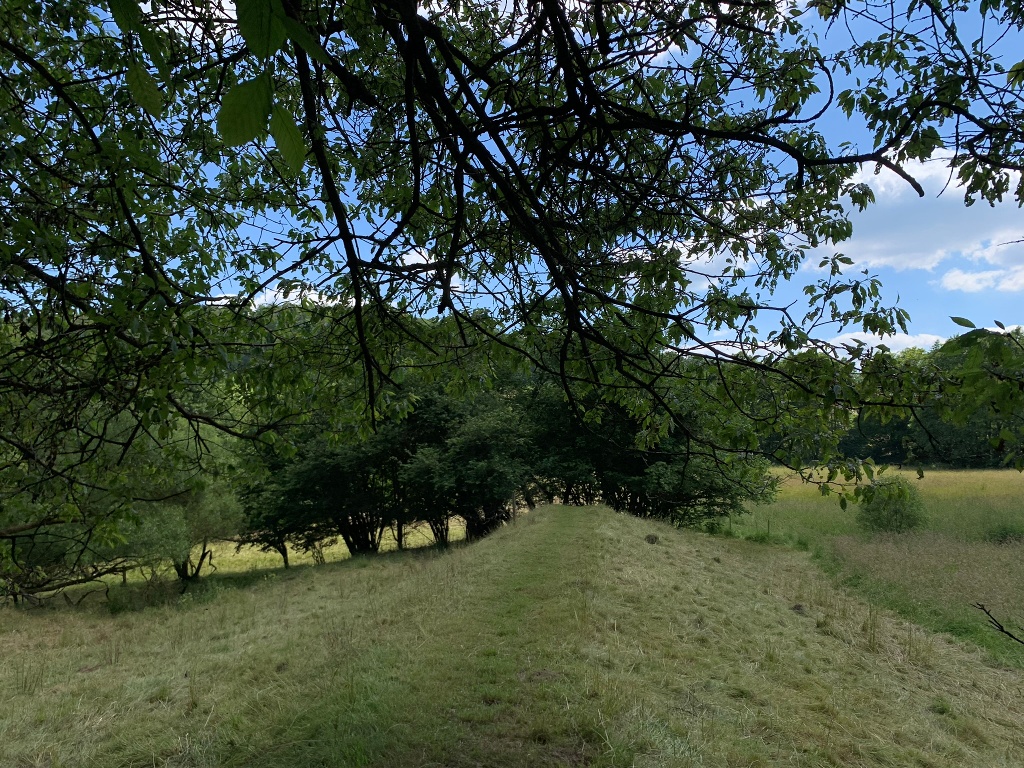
x: 276, y: 296
x: 896, y: 343
x: 1006, y: 280
x: 903, y: 231
x: 901, y: 341
x: 933, y: 175
x: 415, y: 256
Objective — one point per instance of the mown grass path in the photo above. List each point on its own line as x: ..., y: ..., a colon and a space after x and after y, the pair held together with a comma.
x: 566, y: 639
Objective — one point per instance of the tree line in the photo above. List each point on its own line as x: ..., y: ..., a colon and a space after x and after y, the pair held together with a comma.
x: 476, y: 456
x: 475, y: 448
x: 964, y: 425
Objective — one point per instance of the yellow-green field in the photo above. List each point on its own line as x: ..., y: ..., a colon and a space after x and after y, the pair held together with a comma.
x: 231, y: 564
x: 567, y: 639
x: 970, y: 550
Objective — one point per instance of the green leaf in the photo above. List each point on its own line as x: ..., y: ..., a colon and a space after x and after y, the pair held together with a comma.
x: 1016, y: 74
x: 288, y: 138
x: 144, y: 90
x: 244, y: 111
x: 963, y: 321
x: 127, y: 14
x: 305, y: 39
x: 151, y: 44
x: 259, y: 22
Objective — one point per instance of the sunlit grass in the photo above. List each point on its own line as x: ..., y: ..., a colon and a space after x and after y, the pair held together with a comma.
x: 970, y: 504
x: 233, y: 559
x: 970, y: 550
x: 566, y: 639
x: 229, y: 559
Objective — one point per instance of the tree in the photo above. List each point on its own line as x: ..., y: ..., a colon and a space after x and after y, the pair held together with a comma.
x: 486, y: 462
x: 334, y: 490
x: 603, y: 188
x: 971, y: 420
x: 975, y: 419
x: 146, y: 506
x: 680, y: 477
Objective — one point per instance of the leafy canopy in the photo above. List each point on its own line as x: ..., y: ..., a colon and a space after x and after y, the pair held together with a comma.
x: 605, y: 188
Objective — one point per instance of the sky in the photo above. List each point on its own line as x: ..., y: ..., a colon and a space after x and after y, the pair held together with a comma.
x: 937, y: 256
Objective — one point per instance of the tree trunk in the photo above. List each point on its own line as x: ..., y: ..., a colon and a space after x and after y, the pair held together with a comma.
x: 282, y: 550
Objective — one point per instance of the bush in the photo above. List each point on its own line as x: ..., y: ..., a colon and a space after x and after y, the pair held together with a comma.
x: 893, y: 504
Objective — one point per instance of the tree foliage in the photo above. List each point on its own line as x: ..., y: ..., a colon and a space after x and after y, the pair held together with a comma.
x: 606, y: 190
x: 478, y: 457
x: 971, y: 418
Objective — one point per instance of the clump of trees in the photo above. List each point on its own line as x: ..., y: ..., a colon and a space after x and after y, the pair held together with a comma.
x: 478, y: 458
x: 968, y: 420
x: 474, y: 453
x: 475, y: 450
x: 146, y: 511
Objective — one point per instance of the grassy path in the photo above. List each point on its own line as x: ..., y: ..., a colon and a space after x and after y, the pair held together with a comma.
x: 566, y: 639
x: 475, y: 669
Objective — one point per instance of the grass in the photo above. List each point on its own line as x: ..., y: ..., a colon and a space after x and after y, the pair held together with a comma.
x: 971, y: 549
x: 566, y: 639
x: 232, y: 565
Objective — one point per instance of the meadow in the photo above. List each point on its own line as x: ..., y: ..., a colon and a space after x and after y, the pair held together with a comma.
x: 969, y: 550
x: 574, y: 637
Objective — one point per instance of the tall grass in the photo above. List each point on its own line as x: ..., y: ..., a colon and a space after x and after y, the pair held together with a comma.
x: 970, y: 549
x: 967, y: 504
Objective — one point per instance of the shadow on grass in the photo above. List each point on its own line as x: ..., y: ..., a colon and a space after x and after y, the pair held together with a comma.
x: 166, y: 590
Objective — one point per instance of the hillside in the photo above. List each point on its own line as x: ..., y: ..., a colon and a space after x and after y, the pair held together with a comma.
x: 566, y: 639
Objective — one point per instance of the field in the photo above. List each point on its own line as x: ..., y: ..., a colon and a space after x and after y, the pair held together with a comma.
x: 970, y: 550
x: 566, y: 639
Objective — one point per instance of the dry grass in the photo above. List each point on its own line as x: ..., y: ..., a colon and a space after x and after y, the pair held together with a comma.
x: 567, y: 639
x: 933, y: 576
x: 772, y: 665
x: 940, y: 568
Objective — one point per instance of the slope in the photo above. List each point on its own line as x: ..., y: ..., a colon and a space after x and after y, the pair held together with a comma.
x: 566, y: 639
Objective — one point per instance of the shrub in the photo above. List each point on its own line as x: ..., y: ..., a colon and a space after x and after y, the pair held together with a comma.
x: 893, y: 504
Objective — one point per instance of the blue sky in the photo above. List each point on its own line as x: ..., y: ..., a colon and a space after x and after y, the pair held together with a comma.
x: 938, y: 256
